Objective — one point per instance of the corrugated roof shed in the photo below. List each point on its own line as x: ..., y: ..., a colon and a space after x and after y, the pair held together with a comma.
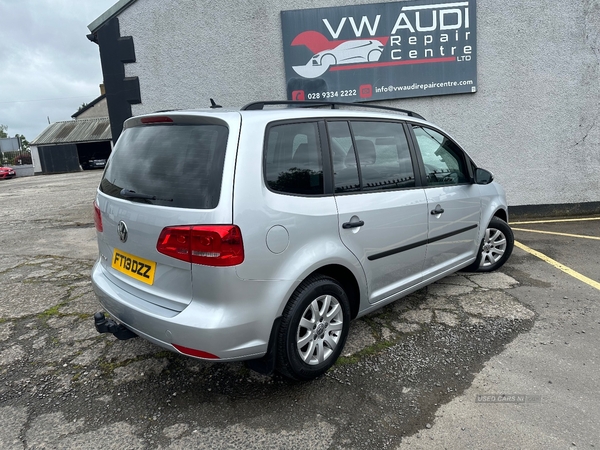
x: 75, y: 131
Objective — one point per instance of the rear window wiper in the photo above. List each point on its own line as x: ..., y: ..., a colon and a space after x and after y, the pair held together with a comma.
x: 126, y: 193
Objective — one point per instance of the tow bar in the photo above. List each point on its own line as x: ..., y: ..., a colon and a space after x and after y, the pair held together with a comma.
x: 104, y: 325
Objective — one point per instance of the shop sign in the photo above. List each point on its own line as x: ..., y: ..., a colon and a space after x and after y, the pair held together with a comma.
x: 380, y: 51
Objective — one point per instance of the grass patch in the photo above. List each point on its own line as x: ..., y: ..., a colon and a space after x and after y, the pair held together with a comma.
x: 51, y: 312
x: 77, y: 376
x: 374, y: 349
x: 108, y: 368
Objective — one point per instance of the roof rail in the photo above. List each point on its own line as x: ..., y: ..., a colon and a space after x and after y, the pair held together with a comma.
x: 306, y: 104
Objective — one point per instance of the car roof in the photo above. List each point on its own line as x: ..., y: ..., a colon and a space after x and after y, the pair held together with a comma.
x: 289, y: 113
x: 269, y: 115
x: 293, y: 111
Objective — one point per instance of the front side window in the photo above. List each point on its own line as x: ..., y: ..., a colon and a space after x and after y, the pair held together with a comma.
x: 443, y: 160
x: 293, y: 162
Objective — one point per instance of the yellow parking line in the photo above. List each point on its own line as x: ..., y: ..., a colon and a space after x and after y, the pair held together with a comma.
x: 584, y: 219
x: 558, y: 234
x: 560, y: 266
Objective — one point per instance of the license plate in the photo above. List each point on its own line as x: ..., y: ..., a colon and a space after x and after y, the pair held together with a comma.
x: 139, y: 268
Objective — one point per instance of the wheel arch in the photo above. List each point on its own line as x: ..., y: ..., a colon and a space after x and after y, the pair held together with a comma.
x: 488, y: 215
x: 489, y: 210
x: 348, y: 281
x: 267, y: 364
x: 501, y: 214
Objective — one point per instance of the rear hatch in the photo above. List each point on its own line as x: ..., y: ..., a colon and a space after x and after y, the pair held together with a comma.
x: 168, y: 170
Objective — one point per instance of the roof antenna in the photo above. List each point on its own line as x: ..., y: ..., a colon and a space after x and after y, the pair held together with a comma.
x: 213, y: 105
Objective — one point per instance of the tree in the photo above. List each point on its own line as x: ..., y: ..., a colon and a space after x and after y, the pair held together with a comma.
x: 3, y: 129
x: 24, y: 142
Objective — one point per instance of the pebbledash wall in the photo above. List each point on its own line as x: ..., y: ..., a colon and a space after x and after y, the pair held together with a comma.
x: 534, y: 120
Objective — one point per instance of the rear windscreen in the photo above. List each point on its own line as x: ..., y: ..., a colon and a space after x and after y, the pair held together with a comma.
x: 170, y: 165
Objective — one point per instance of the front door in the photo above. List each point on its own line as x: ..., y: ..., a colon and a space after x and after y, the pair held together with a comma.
x: 453, y: 203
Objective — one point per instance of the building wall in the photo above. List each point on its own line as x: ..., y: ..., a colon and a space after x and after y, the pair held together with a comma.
x: 100, y: 109
x: 533, y: 122
x: 35, y: 156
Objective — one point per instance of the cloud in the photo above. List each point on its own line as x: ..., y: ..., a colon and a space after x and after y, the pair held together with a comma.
x: 48, y: 67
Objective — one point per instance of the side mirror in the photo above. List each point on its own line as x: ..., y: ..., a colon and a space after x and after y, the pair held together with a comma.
x: 483, y: 176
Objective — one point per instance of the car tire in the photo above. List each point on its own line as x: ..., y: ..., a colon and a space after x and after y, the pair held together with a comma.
x: 495, y: 248
x: 314, y: 328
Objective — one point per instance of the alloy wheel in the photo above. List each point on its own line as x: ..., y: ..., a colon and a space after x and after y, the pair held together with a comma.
x: 320, y: 329
x: 494, y: 246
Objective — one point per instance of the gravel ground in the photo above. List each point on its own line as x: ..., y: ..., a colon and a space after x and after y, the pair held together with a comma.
x: 62, y: 385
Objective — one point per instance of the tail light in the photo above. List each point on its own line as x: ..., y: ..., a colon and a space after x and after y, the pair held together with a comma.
x: 98, y: 218
x: 208, y: 245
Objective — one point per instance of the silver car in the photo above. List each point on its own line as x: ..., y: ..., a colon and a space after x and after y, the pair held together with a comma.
x: 259, y: 234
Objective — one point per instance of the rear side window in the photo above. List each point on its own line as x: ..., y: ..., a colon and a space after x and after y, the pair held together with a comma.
x: 381, y: 158
x: 345, y: 173
x: 293, y: 162
x: 383, y: 155
x: 180, y: 165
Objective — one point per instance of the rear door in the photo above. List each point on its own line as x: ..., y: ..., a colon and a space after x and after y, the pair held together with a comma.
x: 453, y: 202
x: 382, y: 214
x: 166, y: 171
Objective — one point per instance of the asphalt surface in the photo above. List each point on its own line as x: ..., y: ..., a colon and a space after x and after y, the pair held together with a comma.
x: 502, y: 360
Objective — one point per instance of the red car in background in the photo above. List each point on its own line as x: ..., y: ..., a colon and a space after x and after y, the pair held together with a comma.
x: 7, y: 172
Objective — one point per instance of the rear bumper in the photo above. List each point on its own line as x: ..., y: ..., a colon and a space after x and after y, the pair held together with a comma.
x: 236, y: 328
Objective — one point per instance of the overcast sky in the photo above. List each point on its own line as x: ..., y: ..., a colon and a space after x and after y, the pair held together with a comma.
x: 48, y: 67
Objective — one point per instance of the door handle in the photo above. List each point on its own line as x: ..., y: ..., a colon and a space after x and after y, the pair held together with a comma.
x: 438, y: 210
x: 347, y: 225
